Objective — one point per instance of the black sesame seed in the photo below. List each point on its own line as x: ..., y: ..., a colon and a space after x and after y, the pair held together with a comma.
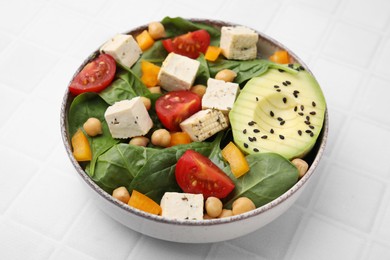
x: 299, y: 132
x: 280, y: 119
x: 301, y: 68
x: 313, y: 104
x: 271, y: 113
x: 282, y: 123
x: 278, y: 90
x: 276, y: 86
x: 281, y: 137
x: 295, y: 95
x: 311, y: 134
x: 300, y: 113
x: 288, y: 82
x: 295, y: 109
x: 272, y: 131
x: 308, y: 131
x: 280, y: 70
x: 302, y: 107
x: 308, y: 118
x: 313, y: 113
x: 251, y: 123
x: 284, y: 100
x: 244, y: 131
x: 264, y: 137
x: 255, y: 150
x: 246, y: 145
x: 311, y: 126
x: 252, y: 139
x: 256, y: 131
x: 257, y: 99
x: 285, y: 84
x: 290, y: 65
x: 307, y: 122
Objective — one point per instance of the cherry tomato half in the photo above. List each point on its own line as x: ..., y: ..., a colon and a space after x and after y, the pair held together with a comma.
x: 176, y: 106
x: 95, y: 76
x: 189, y: 44
x: 195, y: 173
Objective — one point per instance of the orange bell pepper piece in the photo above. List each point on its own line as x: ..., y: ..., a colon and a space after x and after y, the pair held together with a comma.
x: 144, y: 203
x: 212, y: 53
x: 149, y: 73
x: 180, y: 138
x: 81, y: 148
x: 145, y: 41
x: 236, y: 159
x: 281, y: 57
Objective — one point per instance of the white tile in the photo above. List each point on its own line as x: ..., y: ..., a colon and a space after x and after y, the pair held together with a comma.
x: 84, y: 7
x: 5, y: 40
x: 273, y: 240
x: 18, y: 242
x: 167, y: 250
x: 24, y: 65
x: 373, y: 13
x: 123, y: 17
x: 383, y: 229
x: 245, y: 15
x: 382, y: 59
x: 57, y: 29
x: 18, y: 170
x: 326, y: 6
x: 192, y: 9
x: 228, y: 251
x: 337, y: 121
x: 51, y: 199
x: 351, y: 44
x: 106, y: 238
x: 374, y: 103
x: 321, y: 240
x: 378, y: 251
x: 10, y: 100
x: 299, y: 27
x: 359, y: 152
x: 346, y: 194
x: 339, y: 93
x: 35, y: 124
x: 66, y: 253
x: 16, y: 15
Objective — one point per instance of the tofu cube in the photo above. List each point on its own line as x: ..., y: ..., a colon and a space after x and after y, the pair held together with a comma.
x: 177, y: 72
x: 220, y: 95
x: 123, y: 48
x: 238, y: 43
x: 182, y: 206
x: 128, y: 118
x: 204, y: 124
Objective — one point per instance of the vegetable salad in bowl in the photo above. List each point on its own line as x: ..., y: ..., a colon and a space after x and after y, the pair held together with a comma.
x: 192, y: 120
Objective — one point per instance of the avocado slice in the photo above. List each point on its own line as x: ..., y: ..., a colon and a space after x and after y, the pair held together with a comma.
x: 279, y: 112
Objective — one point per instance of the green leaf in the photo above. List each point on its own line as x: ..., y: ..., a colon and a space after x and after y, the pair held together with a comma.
x: 88, y: 105
x: 126, y: 86
x: 246, y: 69
x: 203, y: 73
x: 158, y: 174
x: 270, y: 176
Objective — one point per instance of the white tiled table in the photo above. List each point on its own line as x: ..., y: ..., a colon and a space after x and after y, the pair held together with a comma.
x: 45, y: 212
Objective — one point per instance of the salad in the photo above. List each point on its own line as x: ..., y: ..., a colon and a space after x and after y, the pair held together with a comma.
x: 190, y: 121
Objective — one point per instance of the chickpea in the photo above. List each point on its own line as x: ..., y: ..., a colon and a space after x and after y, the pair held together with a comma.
x: 301, y: 165
x: 226, y: 213
x: 199, y: 90
x: 93, y: 126
x: 155, y: 89
x: 161, y: 137
x: 226, y: 75
x: 139, y: 141
x: 156, y: 30
x: 121, y: 194
x: 147, y: 102
x: 213, y: 207
x: 242, y: 205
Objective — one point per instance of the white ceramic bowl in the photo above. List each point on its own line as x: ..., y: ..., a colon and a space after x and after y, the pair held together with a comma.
x: 202, y: 231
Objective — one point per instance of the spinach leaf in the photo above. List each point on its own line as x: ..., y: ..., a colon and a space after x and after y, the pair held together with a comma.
x: 177, y: 26
x: 88, y: 105
x: 246, y: 69
x: 203, y: 73
x: 126, y: 86
x: 157, y: 176
x: 120, y: 164
x: 269, y: 177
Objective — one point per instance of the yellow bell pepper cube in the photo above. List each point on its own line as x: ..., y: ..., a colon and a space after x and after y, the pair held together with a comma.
x: 236, y: 159
x: 81, y: 148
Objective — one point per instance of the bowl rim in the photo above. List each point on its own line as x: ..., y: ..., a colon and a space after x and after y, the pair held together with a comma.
x: 205, y: 222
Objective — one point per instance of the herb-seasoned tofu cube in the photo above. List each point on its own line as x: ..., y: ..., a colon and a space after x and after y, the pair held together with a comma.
x: 182, y: 206
x: 238, y: 43
x: 220, y: 95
